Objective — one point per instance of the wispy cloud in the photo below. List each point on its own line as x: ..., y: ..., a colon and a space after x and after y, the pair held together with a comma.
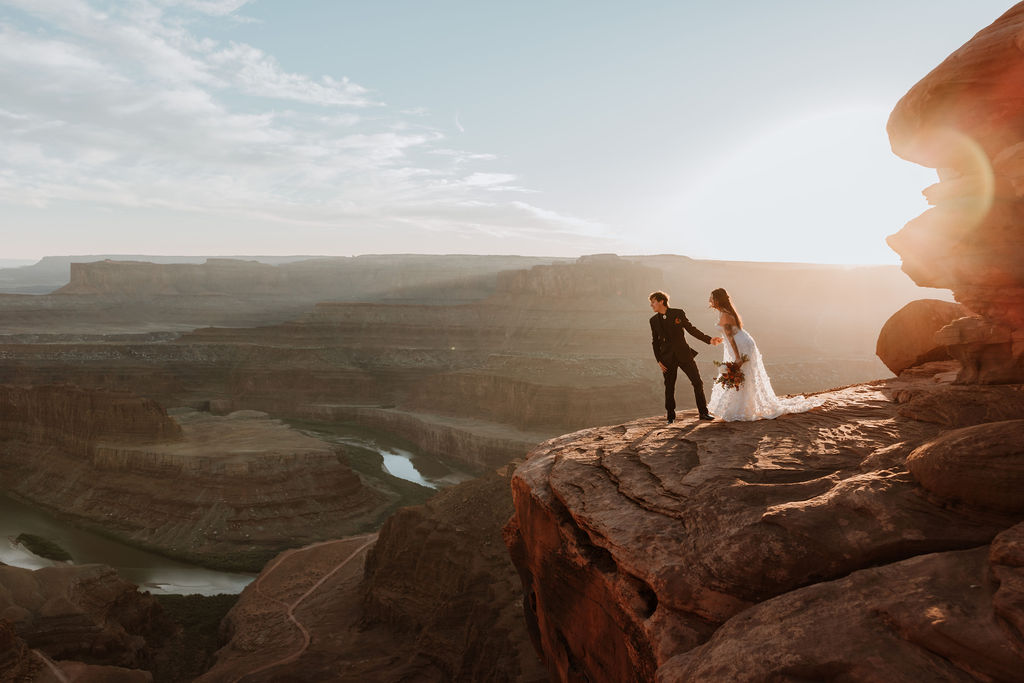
x: 126, y: 105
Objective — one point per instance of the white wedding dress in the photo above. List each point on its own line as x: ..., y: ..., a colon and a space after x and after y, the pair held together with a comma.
x: 755, y: 399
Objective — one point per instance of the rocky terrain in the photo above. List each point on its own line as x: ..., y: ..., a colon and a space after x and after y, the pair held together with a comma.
x: 433, y: 598
x: 964, y: 119
x: 531, y: 353
x: 226, y: 492
x: 639, y: 543
x: 156, y: 441
x: 79, y: 623
x: 879, y: 537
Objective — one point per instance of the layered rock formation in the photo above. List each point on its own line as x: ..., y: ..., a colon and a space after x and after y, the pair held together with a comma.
x: 964, y: 119
x: 76, y: 419
x: 707, y: 551
x: 122, y: 296
x: 530, y: 354
x: 437, y: 601
x: 83, y: 623
x: 941, y: 616
x: 405, y: 276
x: 221, y: 491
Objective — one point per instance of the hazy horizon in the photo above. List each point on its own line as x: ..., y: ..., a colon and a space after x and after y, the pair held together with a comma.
x: 733, y: 132
x: 18, y: 262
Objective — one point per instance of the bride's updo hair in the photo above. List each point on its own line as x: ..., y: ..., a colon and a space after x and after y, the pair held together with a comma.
x: 720, y: 300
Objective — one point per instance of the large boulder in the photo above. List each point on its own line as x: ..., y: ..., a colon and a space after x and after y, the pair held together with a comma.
x: 981, y: 465
x: 965, y: 119
x: 908, y: 338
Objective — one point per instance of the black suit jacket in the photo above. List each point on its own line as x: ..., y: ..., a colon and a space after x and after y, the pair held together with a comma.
x: 668, y: 339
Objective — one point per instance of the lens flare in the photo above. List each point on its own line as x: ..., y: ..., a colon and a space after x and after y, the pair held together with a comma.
x: 962, y: 199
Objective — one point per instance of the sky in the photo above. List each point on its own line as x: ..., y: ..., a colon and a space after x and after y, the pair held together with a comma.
x: 726, y: 130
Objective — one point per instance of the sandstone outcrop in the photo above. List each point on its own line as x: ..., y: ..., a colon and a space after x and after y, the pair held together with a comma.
x: 908, y: 337
x: 87, y: 616
x: 981, y: 465
x: 226, y: 491
x: 964, y: 119
x: 76, y: 419
x: 650, y: 551
x: 437, y: 601
x: 932, y: 617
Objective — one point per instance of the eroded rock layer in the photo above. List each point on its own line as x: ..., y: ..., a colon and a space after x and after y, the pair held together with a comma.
x: 226, y: 491
x: 932, y: 617
x: 437, y: 600
x: 547, y: 349
x: 640, y: 542
x: 84, y: 621
x: 964, y: 119
x: 982, y: 465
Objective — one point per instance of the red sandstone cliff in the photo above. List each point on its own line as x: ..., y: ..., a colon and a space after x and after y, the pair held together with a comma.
x: 964, y: 119
x: 712, y: 551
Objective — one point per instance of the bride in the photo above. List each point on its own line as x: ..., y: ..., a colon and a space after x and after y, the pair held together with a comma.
x: 754, y: 399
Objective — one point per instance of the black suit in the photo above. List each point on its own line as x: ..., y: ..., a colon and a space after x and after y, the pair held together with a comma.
x: 672, y: 351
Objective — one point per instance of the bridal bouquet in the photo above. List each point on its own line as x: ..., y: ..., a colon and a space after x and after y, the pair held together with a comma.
x: 730, y: 376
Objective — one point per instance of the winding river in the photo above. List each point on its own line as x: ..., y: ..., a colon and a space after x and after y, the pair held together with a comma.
x: 159, y: 574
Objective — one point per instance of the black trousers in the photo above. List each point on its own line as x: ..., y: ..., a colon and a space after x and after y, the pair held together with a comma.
x: 689, y: 368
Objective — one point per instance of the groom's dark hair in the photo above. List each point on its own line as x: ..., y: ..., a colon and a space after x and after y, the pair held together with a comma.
x: 660, y: 296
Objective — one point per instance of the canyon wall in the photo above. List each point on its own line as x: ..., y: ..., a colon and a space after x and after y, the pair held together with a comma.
x: 434, y: 598
x: 479, y: 444
x: 76, y: 419
x: 225, y: 492
x: 84, y: 623
x: 964, y: 119
x: 403, y: 276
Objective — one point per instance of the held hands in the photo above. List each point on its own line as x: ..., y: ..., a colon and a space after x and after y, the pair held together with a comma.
x: 663, y: 368
x: 715, y: 341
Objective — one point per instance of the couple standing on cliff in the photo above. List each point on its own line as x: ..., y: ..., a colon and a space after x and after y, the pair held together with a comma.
x: 742, y: 390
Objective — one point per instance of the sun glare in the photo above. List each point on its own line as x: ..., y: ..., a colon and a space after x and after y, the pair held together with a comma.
x: 824, y: 187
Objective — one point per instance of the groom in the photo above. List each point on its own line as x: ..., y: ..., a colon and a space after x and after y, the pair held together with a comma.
x: 672, y: 352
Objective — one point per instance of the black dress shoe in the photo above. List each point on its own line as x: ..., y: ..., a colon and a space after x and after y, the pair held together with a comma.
x: 671, y: 418
x: 706, y: 416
